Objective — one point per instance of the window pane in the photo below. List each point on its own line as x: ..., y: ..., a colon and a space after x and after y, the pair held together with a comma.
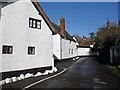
x: 72, y: 51
x: 10, y: 50
x: 38, y: 24
x: 30, y: 23
x: 34, y: 23
x: 31, y: 50
x: 7, y: 49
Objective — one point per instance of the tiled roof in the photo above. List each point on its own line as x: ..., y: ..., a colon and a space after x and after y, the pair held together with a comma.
x: 43, y: 14
x: 57, y: 28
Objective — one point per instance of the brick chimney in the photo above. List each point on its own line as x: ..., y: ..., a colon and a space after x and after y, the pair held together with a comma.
x: 108, y: 24
x: 62, y: 26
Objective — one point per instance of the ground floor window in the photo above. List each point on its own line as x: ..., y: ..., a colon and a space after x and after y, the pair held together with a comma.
x: 6, y: 49
x: 69, y: 51
x: 31, y: 50
x: 72, y: 51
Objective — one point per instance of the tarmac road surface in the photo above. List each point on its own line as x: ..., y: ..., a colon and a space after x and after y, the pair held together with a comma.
x: 83, y: 73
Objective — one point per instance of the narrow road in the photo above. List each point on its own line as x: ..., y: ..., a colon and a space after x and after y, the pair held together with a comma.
x: 84, y: 73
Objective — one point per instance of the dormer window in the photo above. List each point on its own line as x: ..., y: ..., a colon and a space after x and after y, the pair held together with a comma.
x: 34, y: 23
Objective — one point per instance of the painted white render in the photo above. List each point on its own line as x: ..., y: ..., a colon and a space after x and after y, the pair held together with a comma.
x: 65, y: 44
x: 75, y: 49
x: 0, y: 38
x: 83, y: 51
x: 69, y: 49
x: 56, y: 46
x: 63, y: 48
x: 16, y: 32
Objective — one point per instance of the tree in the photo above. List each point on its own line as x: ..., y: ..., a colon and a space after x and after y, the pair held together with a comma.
x: 105, y: 38
x: 82, y: 40
x: 92, y: 35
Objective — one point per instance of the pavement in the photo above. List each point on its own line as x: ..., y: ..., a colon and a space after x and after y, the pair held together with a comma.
x: 113, y: 69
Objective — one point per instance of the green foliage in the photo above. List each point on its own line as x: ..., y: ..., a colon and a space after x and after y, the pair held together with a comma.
x: 92, y: 35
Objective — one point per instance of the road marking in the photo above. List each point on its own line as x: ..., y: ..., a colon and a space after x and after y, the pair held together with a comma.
x: 97, y: 80
x: 44, y: 79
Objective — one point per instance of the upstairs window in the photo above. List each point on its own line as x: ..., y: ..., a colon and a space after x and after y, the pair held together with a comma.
x: 30, y: 22
x: 31, y: 50
x: 7, y: 49
x: 34, y: 23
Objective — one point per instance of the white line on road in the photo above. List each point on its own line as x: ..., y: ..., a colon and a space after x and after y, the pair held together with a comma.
x: 44, y: 79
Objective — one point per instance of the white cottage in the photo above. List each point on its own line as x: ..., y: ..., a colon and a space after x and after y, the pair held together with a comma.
x: 84, y: 50
x: 25, y: 38
x: 64, y: 45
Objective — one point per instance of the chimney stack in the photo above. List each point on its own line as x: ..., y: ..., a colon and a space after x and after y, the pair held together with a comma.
x: 108, y: 24
x: 62, y: 26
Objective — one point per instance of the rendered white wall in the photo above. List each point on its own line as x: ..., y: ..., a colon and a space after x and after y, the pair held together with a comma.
x: 16, y: 32
x: 0, y: 38
x: 61, y: 48
x: 56, y: 45
x: 65, y: 48
x: 66, y: 45
x: 73, y: 46
x: 83, y: 51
